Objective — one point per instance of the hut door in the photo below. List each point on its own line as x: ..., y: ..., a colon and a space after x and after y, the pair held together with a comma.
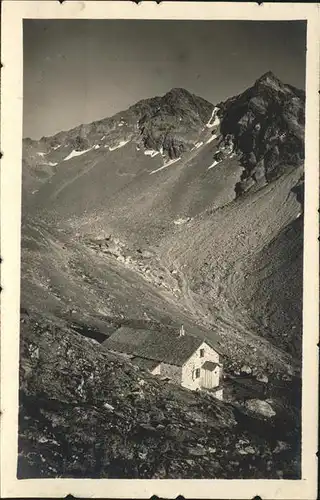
x: 207, y: 378
x: 210, y: 378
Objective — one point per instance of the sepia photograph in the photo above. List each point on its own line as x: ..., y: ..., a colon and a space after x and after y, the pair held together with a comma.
x: 162, y: 243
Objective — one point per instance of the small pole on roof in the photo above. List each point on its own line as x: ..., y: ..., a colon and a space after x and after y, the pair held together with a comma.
x: 182, y: 332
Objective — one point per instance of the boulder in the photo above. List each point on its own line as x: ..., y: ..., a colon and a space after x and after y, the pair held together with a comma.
x: 148, y: 427
x: 196, y: 417
x: 281, y: 446
x: 246, y: 370
x: 190, y: 462
x: 107, y: 406
x: 197, y: 451
x: 248, y: 450
x: 261, y: 377
x: 146, y: 254
x: 212, y: 450
x: 261, y: 407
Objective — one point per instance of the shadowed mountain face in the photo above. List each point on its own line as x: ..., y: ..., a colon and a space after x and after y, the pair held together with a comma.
x: 172, y: 123
x: 267, y: 125
x: 175, y: 211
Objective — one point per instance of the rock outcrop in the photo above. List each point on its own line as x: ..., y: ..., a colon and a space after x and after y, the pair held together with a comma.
x: 266, y: 123
x: 172, y: 123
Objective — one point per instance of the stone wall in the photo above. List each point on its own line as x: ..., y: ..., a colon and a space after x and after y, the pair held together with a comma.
x: 219, y: 394
x: 171, y: 371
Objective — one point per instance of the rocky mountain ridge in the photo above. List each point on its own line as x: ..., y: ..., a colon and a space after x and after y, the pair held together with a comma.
x: 169, y: 124
x: 264, y: 125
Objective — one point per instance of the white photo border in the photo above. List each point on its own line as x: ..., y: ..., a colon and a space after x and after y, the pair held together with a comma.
x: 13, y: 13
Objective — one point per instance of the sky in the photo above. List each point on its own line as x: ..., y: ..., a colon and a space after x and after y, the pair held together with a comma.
x: 78, y: 71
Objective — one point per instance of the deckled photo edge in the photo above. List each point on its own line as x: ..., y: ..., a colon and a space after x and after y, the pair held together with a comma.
x: 11, y: 140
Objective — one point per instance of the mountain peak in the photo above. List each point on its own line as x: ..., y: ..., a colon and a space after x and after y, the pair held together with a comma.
x: 269, y: 75
x: 178, y: 94
x: 269, y: 79
x: 178, y: 91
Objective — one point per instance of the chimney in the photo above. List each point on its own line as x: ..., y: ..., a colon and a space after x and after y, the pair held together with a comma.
x: 181, y: 332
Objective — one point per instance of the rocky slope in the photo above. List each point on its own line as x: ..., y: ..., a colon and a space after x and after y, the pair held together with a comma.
x: 87, y: 413
x: 172, y: 212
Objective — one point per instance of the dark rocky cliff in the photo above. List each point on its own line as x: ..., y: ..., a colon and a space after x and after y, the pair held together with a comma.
x: 266, y: 124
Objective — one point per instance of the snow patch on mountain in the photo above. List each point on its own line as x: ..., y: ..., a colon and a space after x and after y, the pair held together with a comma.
x: 180, y: 221
x: 213, y: 164
x: 41, y: 153
x: 76, y: 153
x: 170, y: 162
x: 197, y: 145
x: 151, y: 152
x: 212, y: 138
x: 214, y: 120
x: 48, y: 163
x: 120, y: 145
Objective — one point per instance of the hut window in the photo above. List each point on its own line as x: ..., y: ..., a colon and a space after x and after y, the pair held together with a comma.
x: 197, y: 374
x: 201, y: 353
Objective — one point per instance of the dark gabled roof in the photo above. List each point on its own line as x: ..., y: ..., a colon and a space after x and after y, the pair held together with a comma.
x: 146, y: 364
x: 163, y: 346
x: 209, y: 365
x: 128, y: 338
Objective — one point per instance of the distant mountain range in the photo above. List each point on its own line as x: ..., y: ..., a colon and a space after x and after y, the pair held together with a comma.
x: 174, y: 211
